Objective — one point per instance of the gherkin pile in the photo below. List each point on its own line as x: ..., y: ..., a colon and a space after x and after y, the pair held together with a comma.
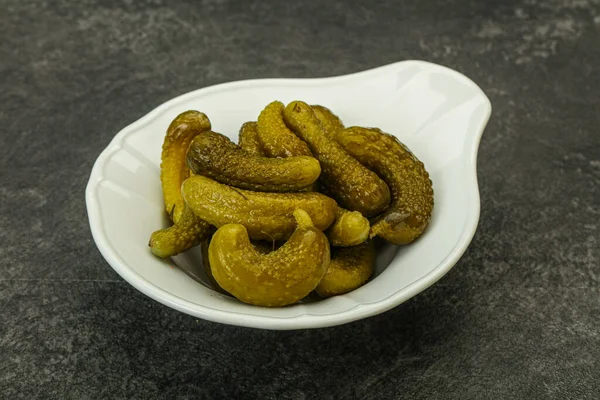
x: 295, y: 207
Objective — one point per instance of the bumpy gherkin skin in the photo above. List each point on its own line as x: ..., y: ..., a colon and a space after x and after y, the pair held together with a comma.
x: 248, y: 139
x: 276, y: 279
x: 214, y: 155
x: 173, y: 168
x: 266, y: 216
x: 412, y: 191
x: 350, y: 228
x: 331, y: 122
x: 275, y: 137
x: 352, y: 185
x: 261, y: 246
x: 350, y: 268
x: 186, y: 233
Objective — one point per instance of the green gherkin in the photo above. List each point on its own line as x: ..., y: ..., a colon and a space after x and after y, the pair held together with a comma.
x: 412, y: 191
x: 261, y: 246
x: 349, y: 268
x: 248, y: 139
x: 331, y: 122
x: 350, y: 228
x: 186, y: 233
x: 266, y: 216
x: 277, y: 278
x: 214, y: 155
x: 275, y: 137
x: 355, y: 187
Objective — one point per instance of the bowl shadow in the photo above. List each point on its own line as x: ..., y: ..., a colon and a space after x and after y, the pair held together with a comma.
x: 178, y: 353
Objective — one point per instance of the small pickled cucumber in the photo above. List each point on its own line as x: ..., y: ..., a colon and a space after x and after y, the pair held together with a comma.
x: 350, y: 228
x: 279, y: 278
x: 260, y: 245
x: 331, y: 122
x: 266, y: 216
x: 275, y: 137
x: 412, y: 191
x: 186, y: 233
x: 248, y: 139
x: 349, y: 268
x: 173, y: 168
x: 352, y: 184
x: 214, y: 155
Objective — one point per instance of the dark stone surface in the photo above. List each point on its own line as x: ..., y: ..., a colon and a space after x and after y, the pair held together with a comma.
x: 518, y: 317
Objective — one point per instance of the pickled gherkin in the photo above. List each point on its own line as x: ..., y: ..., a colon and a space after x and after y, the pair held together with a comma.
x: 331, y: 122
x: 186, y: 233
x: 349, y: 268
x: 355, y: 187
x: 412, y: 191
x: 173, y: 168
x: 275, y: 137
x: 266, y: 216
x: 214, y: 155
x: 248, y: 139
x: 278, y: 278
x: 349, y: 229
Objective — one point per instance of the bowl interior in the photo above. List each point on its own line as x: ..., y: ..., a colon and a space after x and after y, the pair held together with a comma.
x: 438, y: 113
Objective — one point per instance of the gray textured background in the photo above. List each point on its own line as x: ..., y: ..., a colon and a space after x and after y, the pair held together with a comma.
x: 518, y: 317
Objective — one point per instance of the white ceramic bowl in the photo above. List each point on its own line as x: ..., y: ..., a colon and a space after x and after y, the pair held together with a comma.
x: 439, y: 113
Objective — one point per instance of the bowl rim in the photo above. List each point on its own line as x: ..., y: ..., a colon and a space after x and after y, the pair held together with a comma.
x: 306, y: 320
